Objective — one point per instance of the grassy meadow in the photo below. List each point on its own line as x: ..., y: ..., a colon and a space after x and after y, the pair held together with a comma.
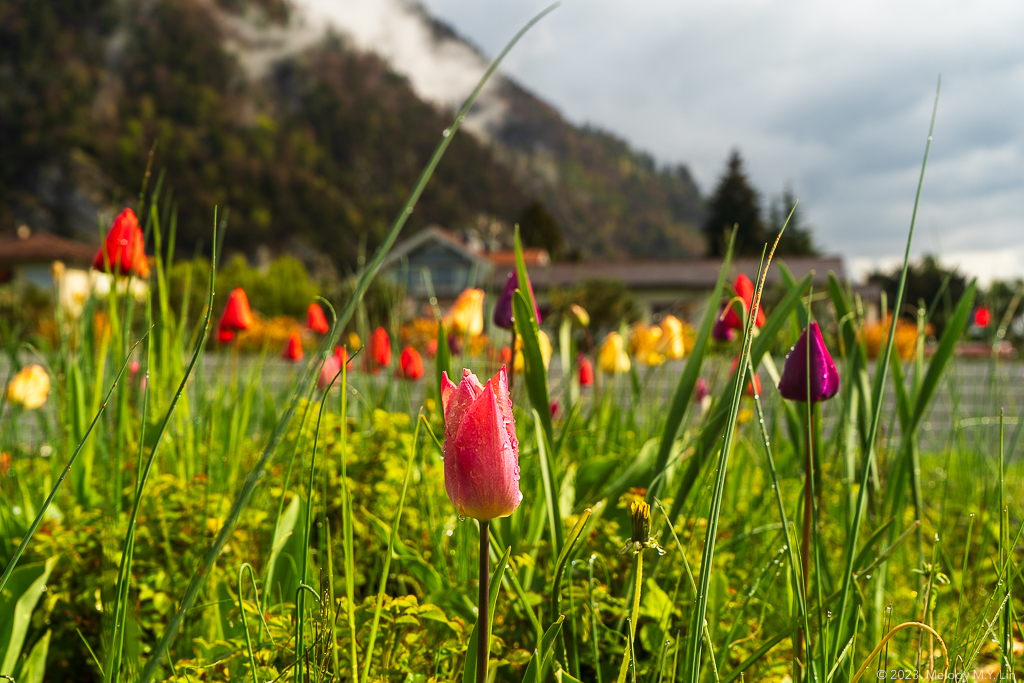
x: 176, y: 515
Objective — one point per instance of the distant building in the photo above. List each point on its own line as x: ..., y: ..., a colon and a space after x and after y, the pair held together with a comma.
x: 27, y: 256
x: 440, y: 261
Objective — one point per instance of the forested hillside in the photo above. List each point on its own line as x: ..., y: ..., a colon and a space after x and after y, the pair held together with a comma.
x: 313, y: 156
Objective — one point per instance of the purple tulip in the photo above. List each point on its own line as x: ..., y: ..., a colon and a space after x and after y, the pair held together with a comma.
x: 481, y: 453
x: 503, y: 309
x: 824, y: 379
x: 722, y: 331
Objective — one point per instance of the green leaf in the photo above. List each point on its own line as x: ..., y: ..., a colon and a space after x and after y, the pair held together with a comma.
x: 24, y: 588
x: 469, y: 675
x: 34, y: 667
x: 541, y: 660
x: 563, y: 557
x: 688, y: 380
x: 285, y: 528
x: 444, y: 361
x: 550, y: 484
x: 533, y: 362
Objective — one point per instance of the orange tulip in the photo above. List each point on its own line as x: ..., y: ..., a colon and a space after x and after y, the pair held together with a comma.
x: 753, y: 387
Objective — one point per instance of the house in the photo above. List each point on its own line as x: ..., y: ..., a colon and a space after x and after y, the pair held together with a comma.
x: 436, y: 263
x: 440, y: 264
x: 27, y: 256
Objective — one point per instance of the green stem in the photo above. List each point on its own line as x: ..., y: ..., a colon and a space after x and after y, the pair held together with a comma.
x: 483, y: 634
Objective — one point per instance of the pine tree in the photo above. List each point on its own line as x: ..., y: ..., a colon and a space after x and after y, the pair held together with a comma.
x: 735, y: 203
x: 797, y: 239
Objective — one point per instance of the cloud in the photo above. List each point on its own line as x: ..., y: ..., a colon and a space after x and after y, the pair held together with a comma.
x: 833, y: 97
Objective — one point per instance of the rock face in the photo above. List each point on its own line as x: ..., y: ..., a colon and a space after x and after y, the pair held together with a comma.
x: 311, y: 130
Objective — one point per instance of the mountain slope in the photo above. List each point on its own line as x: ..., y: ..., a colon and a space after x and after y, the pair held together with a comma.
x: 311, y: 142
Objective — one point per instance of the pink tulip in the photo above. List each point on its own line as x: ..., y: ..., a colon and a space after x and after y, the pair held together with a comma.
x: 330, y: 368
x: 481, y: 453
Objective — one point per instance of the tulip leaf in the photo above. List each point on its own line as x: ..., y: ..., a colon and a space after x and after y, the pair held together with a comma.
x: 444, y: 363
x: 27, y: 585
x: 533, y: 362
x: 541, y: 660
x: 563, y: 557
x: 550, y: 484
x: 688, y: 380
x: 469, y: 675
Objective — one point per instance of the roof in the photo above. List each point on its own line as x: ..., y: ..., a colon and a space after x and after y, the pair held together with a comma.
x: 692, y: 274
x: 43, y: 247
x: 433, y: 233
x: 533, y: 256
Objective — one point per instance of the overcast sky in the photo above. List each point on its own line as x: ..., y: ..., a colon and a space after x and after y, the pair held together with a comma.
x: 833, y: 98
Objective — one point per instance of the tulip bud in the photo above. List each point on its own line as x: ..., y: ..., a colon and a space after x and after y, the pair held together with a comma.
x: 982, y: 317
x: 29, y: 388
x: 330, y: 368
x: 124, y: 249
x: 701, y: 396
x: 411, y: 363
x: 466, y: 316
x: 753, y: 386
x: 580, y: 315
x: 744, y: 289
x: 543, y: 341
x: 316, y: 320
x: 612, y: 357
x: 721, y: 331
x: 503, y: 309
x: 354, y: 343
x: 237, y: 315
x: 824, y: 378
x: 481, y: 453
x: 671, y: 344
x: 293, y: 350
x: 586, y: 371
x: 380, y: 347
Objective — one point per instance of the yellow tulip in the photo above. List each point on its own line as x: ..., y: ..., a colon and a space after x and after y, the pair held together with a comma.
x: 466, y: 316
x: 671, y: 343
x: 644, y: 343
x: 545, y: 351
x: 612, y: 357
x: 580, y: 315
x: 354, y: 342
x: 29, y: 388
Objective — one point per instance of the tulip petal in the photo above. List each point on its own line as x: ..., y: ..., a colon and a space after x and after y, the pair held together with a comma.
x: 455, y: 408
x: 499, y: 383
x: 482, y: 465
x: 824, y: 378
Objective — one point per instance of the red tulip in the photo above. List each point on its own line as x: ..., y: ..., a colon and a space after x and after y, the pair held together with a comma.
x: 506, y: 354
x: 432, y: 348
x: 342, y: 355
x: 380, y: 347
x: 237, y: 315
x: 224, y: 336
x: 554, y: 408
x: 124, y: 250
x: 316, y: 320
x: 744, y: 289
x: 824, y: 378
x: 293, y: 350
x: 481, y: 453
x: 411, y: 363
x: 754, y: 387
x: 586, y: 371
x: 982, y: 317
